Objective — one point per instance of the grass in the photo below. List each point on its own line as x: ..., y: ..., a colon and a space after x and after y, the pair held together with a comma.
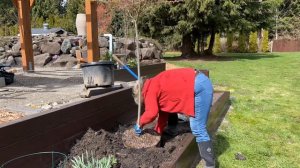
x: 264, y: 121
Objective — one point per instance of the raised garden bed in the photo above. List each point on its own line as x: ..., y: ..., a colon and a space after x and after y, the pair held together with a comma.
x: 59, y: 129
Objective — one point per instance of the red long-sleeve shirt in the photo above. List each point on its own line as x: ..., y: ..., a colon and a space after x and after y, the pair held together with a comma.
x: 170, y: 91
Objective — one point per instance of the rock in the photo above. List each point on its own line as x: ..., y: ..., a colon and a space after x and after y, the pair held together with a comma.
x: 10, y: 61
x: 117, y: 45
x: 147, y: 53
x: 2, y: 49
x: 16, y: 53
x: 66, y: 46
x: 16, y: 47
x: 42, y: 60
x: 35, y: 47
x: 145, y: 45
x: 128, y: 43
x: 18, y: 61
x: 46, y: 107
x: 240, y: 156
x: 73, y: 51
x: 103, y: 42
x: 64, y: 60
x: 52, y: 48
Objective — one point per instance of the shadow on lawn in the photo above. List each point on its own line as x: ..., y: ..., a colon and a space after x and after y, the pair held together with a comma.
x: 225, y: 57
x: 222, y: 144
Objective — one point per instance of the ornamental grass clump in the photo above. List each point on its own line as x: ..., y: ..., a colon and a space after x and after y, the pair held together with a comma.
x: 87, y: 161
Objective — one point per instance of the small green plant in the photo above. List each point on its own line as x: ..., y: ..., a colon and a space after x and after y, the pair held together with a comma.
x: 107, y: 56
x: 131, y: 62
x: 89, y: 161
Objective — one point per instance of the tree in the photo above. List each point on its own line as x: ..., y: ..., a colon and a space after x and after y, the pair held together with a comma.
x: 265, y: 41
x: 217, y: 45
x: 45, y: 8
x: 288, y: 19
x: 242, y: 42
x: 73, y: 7
x: 253, y: 42
x: 229, y: 42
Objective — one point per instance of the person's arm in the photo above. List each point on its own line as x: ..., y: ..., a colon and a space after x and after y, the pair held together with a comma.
x: 151, y: 109
x: 161, y: 122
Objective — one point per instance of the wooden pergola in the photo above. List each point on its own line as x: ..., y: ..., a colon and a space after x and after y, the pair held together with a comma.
x: 24, y: 8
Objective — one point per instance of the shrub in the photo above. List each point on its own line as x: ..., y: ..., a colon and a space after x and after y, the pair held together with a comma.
x: 229, y: 42
x: 217, y: 45
x: 253, y: 42
x: 242, y: 43
x: 265, y: 41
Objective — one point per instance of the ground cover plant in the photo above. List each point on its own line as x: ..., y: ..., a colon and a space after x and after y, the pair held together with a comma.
x: 262, y: 127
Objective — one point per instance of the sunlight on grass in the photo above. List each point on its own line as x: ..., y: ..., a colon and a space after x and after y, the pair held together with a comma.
x: 264, y: 120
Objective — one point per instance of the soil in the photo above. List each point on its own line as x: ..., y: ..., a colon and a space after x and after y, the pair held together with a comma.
x: 103, y: 143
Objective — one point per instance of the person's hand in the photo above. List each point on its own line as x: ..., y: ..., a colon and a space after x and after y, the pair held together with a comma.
x: 138, y: 131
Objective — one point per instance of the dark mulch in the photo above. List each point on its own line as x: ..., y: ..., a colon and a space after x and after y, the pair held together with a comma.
x: 103, y: 143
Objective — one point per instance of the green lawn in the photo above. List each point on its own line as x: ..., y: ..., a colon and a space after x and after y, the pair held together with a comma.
x: 264, y: 121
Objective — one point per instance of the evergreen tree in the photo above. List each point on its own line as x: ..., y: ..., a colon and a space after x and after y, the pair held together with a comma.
x: 44, y: 8
x: 242, y: 43
x: 265, y: 41
x: 229, y: 42
x: 73, y: 7
x: 253, y: 42
x: 217, y: 45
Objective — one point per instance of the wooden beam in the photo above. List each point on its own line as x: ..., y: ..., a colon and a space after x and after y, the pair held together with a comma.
x: 16, y: 3
x: 25, y: 34
x: 92, y: 31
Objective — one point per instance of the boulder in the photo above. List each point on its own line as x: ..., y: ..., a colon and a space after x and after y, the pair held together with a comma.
x: 65, y: 60
x: 73, y: 51
x: 16, y: 47
x: 103, y: 42
x: 52, y: 48
x: 2, y: 49
x: 147, y: 53
x: 10, y: 61
x: 42, y: 60
x: 66, y: 46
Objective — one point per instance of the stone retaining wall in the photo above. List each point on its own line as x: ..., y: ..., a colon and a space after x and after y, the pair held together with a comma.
x: 57, y: 51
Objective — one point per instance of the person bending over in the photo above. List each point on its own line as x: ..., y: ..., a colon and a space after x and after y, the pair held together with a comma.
x: 186, y: 91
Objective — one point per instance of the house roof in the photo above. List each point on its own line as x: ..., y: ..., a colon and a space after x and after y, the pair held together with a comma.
x: 42, y: 31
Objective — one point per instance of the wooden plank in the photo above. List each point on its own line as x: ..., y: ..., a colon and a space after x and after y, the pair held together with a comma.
x: 25, y: 34
x: 92, y: 31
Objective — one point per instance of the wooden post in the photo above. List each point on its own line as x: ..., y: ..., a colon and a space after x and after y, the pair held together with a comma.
x: 24, y: 7
x: 92, y: 31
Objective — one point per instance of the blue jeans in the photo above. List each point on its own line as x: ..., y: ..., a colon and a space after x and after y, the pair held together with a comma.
x: 203, y: 100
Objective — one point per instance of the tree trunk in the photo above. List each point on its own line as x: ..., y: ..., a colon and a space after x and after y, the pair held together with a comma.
x: 187, y: 46
x: 211, y: 42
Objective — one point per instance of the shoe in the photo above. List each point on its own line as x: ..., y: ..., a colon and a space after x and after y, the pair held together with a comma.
x: 207, y: 154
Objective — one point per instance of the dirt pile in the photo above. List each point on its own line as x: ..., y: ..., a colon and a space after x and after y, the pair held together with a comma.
x: 103, y: 143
